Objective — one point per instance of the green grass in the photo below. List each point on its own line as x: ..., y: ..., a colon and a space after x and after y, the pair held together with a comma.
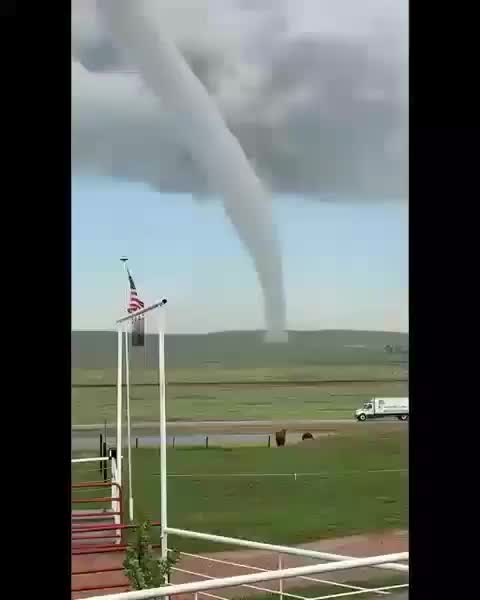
x: 349, y: 497
x: 260, y: 400
x: 214, y: 374
x: 244, y: 349
x: 235, y: 375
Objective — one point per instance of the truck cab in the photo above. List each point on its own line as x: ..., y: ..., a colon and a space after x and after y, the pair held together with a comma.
x: 365, y: 412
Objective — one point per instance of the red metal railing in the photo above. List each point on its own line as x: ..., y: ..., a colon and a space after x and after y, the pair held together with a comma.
x: 100, y: 549
x: 95, y: 485
x: 94, y: 588
x: 90, y: 538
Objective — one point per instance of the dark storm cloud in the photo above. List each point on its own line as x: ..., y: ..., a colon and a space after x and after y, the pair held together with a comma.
x: 319, y: 114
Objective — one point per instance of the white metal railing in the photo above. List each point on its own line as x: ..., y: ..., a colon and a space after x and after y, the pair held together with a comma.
x: 228, y: 582
x: 280, y: 591
x: 87, y: 460
x: 116, y: 499
x: 116, y: 494
x: 385, y: 589
x: 275, y: 548
x: 250, y: 586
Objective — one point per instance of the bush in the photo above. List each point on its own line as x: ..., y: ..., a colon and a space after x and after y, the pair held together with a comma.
x: 307, y: 436
x: 142, y: 568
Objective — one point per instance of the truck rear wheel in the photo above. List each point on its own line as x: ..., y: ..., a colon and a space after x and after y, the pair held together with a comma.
x: 362, y: 417
x: 403, y: 417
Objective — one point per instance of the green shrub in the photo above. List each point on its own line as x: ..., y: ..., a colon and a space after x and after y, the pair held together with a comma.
x: 143, y: 569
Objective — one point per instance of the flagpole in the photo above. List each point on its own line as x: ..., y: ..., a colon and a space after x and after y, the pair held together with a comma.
x: 127, y: 381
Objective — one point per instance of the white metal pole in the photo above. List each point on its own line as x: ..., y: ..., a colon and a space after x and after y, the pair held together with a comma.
x: 129, y: 431
x: 280, y: 581
x: 119, y: 404
x: 93, y: 459
x: 163, y: 440
x: 127, y: 381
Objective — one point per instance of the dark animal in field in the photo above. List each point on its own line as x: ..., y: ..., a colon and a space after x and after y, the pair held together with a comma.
x: 280, y: 437
x: 307, y: 436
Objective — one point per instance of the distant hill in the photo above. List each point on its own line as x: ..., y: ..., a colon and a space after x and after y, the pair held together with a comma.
x: 244, y: 349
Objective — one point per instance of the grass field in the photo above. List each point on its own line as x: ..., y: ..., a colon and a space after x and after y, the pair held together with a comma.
x: 195, y: 394
x: 285, y: 374
x: 244, y: 349
x: 348, y: 494
x: 235, y: 375
x: 333, y: 401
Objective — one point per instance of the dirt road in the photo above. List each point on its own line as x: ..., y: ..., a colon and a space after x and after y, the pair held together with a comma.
x: 357, y: 546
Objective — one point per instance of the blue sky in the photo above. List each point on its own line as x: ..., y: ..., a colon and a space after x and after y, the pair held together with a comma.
x: 346, y: 264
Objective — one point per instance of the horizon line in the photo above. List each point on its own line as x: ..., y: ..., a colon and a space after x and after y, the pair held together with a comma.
x: 261, y: 331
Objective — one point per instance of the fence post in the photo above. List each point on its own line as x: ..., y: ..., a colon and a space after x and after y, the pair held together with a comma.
x: 268, y: 445
x: 101, y: 450
x: 280, y: 581
x: 206, y: 442
x: 136, y: 442
x: 173, y: 442
x: 104, y: 463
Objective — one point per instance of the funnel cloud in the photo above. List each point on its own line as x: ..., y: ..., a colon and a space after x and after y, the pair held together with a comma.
x: 200, y: 127
x: 315, y: 93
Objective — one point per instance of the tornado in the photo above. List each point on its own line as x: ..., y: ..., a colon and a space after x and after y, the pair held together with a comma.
x: 136, y: 28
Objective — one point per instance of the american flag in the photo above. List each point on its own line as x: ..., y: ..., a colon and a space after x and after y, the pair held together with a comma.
x: 134, y: 303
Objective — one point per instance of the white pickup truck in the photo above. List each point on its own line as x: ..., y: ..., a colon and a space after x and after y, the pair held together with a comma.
x: 378, y: 408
